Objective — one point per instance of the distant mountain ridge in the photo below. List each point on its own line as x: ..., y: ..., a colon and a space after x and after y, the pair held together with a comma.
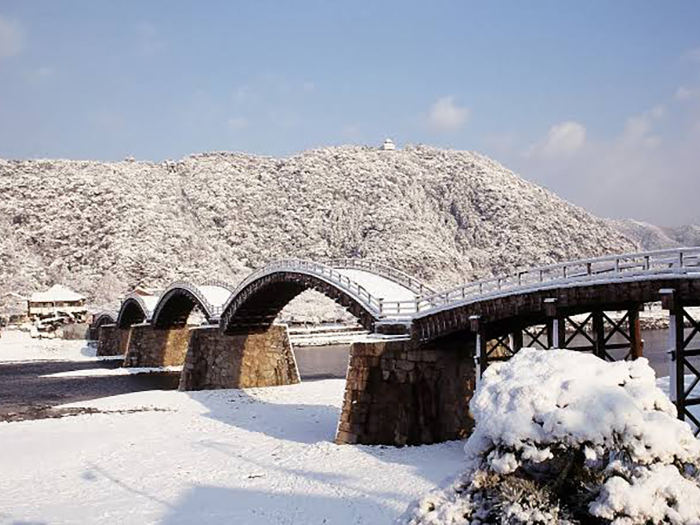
x: 445, y: 216
x: 651, y: 237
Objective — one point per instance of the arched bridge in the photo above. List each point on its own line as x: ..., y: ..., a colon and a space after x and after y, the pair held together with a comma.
x: 369, y: 290
x: 136, y: 309
x: 443, y: 334
x: 176, y: 303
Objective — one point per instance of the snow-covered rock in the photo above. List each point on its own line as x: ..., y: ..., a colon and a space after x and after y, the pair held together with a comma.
x: 564, y: 437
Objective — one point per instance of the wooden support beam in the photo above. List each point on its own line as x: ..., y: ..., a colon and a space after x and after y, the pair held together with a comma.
x: 481, y: 350
x: 560, y: 331
x: 676, y: 336
x: 598, y: 334
x: 679, y: 336
x: 517, y: 341
x: 555, y: 324
x: 635, y: 332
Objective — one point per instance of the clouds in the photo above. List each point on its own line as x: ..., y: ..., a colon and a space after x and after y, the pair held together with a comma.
x: 638, y: 130
x: 563, y: 140
x: 683, y: 93
x: 693, y: 55
x: 11, y: 38
x: 648, y: 170
x: 446, y: 116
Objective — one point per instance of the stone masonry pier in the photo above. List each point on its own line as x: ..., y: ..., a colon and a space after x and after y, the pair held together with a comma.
x: 108, y: 340
x: 113, y: 340
x: 217, y: 360
x: 154, y: 347
x: 401, y: 393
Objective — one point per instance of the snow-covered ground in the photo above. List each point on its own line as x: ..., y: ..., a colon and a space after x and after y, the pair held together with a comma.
x: 256, y: 456
x: 101, y: 372
x: 19, y: 346
x: 229, y: 456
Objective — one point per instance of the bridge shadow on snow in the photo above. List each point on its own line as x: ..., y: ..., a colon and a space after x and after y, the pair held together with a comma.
x: 313, y: 424
x: 90, y: 349
x: 301, y: 423
x: 258, y: 505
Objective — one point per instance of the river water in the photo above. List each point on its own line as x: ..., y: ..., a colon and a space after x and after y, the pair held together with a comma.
x: 332, y: 361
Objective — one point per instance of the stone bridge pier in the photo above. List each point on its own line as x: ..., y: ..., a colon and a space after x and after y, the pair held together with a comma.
x: 112, y: 340
x: 399, y: 392
x: 150, y: 346
x: 254, y: 359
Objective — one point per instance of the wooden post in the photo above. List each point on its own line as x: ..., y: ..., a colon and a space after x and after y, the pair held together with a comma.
x: 636, y: 342
x: 550, y: 333
x: 598, y: 334
x: 560, y: 331
x: 676, y: 336
x: 679, y: 334
x: 481, y: 351
x: 516, y: 341
x: 555, y: 325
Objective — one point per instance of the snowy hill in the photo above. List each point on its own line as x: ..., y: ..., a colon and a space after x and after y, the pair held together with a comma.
x: 652, y: 237
x: 446, y: 216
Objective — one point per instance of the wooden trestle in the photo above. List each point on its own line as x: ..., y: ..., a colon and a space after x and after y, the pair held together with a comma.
x: 595, y: 333
x: 683, y: 344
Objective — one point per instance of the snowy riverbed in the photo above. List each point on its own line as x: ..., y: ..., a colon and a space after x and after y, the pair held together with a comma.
x: 230, y: 456
x: 105, y: 372
x: 18, y: 346
x: 255, y: 456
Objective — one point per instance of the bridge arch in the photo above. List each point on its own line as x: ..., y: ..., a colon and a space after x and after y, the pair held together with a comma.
x: 103, y: 318
x: 100, y: 320
x: 257, y: 301
x: 134, y: 310
x: 180, y: 299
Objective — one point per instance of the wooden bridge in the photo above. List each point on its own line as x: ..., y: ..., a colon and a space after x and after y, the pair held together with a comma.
x: 410, y: 382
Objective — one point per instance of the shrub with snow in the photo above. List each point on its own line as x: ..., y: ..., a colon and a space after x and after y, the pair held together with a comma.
x: 564, y: 437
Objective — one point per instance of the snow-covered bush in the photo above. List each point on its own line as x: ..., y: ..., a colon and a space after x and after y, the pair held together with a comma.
x: 564, y: 437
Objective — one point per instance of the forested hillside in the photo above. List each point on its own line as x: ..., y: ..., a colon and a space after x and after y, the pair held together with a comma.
x: 446, y: 216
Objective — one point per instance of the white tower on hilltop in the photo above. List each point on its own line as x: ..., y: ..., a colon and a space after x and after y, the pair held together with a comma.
x: 388, y: 145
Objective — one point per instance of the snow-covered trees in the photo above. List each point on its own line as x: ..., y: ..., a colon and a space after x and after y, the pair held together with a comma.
x: 565, y: 438
x: 445, y: 216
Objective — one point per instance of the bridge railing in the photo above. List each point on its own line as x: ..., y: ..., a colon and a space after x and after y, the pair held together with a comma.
x: 393, y: 274
x: 660, y: 262
x: 221, y: 284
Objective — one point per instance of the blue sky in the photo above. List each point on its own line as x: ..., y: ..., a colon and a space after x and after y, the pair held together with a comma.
x: 597, y: 100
